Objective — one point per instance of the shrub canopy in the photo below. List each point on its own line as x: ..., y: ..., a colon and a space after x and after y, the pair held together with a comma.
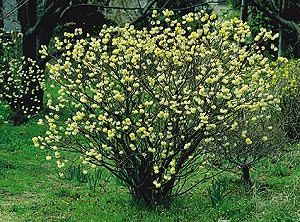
x: 145, y: 103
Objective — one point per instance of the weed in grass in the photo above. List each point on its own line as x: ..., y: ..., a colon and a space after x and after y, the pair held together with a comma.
x: 17, y: 209
x: 280, y: 170
x: 276, y: 215
x: 120, y: 182
x: 5, y: 167
x: 92, y: 179
x: 74, y: 174
x: 63, y: 192
x: 218, y: 191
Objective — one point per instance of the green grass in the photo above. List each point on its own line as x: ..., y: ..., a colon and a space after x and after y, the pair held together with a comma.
x: 30, y: 190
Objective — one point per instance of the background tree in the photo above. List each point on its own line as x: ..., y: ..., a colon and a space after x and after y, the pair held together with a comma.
x: 286, y: 13
x: 280, y: 15
x: 183, y: 7
x: 1, y: 24
x: 1, y: 14
x: 241, y: 153
x: 244, y: 10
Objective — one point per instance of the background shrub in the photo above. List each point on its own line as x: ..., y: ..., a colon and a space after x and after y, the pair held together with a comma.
x: 288, y: 75
x: 17, y: 76
x: 257, y: 137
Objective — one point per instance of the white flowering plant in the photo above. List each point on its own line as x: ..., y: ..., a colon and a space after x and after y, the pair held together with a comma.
x: 20, y: 77
x: 139, y: 102
x: 10, y: 52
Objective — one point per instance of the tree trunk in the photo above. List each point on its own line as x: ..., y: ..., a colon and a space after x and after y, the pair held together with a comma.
x: 281, y: 31
x: 244, y: 10
x: 144, y: 191
x: 1, y: 24
x: 246, y: 175
x: 151, y: 196
x: 280, y: 42
x: 30, y: 93
x: 32, y: 100
x: 296, y: 48
x: 1, y: 16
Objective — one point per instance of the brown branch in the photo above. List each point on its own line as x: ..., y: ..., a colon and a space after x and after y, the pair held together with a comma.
x: 296, y: 4
x: 60, y: 9
x: 47, y: 11
x: 271, y: 14
x: 104, y: 7
x: 145, y: 11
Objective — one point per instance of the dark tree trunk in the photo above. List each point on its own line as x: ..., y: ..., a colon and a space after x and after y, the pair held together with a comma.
x: 1, y: 24
x: 280, y: 42
x: 281, y: 31
x: 144, y: 190
x: 30, y: 94
x: 37, y: 30
x: 244, y: 10
x: 32, y: 98
x: 246, y: 175
x: 1, y: 16
x: 150, y: 196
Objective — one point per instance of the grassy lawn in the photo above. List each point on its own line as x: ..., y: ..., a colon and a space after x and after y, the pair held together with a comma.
x: 30, y: 190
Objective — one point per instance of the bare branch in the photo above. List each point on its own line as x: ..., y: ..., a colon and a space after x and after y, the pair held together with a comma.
x: 145, y: 11
x: 65, y: 10
x: 104, y: 7
x: 42, y: 17
x: 140, y: 5
x: 271, y: 14
x: 296, y: 3
x: 19, y: 5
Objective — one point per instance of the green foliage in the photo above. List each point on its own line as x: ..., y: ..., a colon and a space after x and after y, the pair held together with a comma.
x: 288, y: 79
x: 280, y: 170
x: 74, y: 173
x: 283, y: 165
x: 218, y: 191
x: 63, y: 192
x: 77, y: 174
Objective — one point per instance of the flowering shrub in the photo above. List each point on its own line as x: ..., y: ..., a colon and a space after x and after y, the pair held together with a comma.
x: 9, y: 43
x: 19, y: 77
x: 288, y: 78
x: 255, y: 138
x: 140, y: 102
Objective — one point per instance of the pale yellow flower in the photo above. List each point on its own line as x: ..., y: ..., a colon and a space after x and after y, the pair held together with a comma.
x: 248, y: 141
